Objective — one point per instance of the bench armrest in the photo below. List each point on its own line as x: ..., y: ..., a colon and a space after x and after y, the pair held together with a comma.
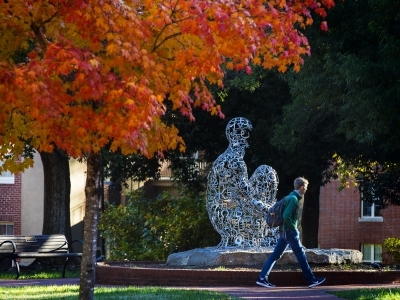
x: 70, y: 244
x: 12, y: 243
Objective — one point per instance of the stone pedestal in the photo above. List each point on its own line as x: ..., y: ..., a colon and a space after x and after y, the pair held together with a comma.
x: 236, y: 257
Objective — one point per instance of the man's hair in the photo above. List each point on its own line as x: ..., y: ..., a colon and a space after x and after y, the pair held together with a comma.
x: 299, y: 182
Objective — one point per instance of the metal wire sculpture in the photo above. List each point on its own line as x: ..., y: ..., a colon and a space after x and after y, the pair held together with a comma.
x: 236, y: 205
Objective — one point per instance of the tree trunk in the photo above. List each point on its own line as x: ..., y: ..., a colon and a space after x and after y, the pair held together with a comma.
x: 57, y: 188
x: 310, y: 218
x: 92, y: 207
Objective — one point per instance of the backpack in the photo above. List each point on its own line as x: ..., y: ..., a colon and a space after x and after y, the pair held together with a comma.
x: 274, y: 217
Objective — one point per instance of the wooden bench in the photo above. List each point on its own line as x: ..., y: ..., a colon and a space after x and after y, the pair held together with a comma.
x: 36, y: 246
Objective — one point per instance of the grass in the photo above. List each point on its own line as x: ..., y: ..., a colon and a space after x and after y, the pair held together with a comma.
x: 369, y: 294
x: 38, y: 274
x: 70, y: 292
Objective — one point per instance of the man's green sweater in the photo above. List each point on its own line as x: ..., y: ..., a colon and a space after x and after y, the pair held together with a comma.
x: 291, y: 211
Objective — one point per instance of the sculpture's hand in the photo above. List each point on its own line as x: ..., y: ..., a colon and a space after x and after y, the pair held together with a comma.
x: 259, y: 205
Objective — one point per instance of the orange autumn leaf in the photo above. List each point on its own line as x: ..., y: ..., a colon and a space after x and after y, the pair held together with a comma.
x: 98, y: 72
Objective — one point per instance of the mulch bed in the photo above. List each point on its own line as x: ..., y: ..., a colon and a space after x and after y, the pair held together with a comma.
x: 277, y: 267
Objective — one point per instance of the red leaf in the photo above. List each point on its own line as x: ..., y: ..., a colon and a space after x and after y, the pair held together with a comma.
x: 324, y: 26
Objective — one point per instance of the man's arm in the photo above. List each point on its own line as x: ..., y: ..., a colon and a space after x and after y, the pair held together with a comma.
x: 289, y: 218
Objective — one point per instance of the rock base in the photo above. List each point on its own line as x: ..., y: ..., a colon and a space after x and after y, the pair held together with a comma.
x: 212, y: 256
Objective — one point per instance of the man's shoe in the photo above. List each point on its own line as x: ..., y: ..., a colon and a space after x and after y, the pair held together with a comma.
x: 264, y: 282
x: 316, y: 281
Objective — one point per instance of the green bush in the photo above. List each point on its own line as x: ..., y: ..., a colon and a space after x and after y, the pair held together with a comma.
x: 151, y: 229
x: 391, y: 247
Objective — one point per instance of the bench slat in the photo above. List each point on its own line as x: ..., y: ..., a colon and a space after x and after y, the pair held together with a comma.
x: 36, y: 246
x: 35, y: 243
x: 50, y: 255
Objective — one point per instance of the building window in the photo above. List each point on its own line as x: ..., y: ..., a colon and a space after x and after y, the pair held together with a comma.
x: 371, y: 253
x: 370, y: 212
x: 6, y: 228
x: 6, y: 177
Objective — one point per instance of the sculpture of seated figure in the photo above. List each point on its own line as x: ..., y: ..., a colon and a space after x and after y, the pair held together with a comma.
x: 236, y: 204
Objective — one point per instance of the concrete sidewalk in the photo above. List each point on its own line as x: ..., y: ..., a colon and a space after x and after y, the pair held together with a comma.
x: 251, y: 293
x: 288, y: 293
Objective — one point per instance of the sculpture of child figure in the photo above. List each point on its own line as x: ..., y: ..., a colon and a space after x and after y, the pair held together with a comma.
x: 236, y: 205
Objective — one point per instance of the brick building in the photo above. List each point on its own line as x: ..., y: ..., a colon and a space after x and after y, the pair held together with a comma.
x: 349, y: 223
x: 10, y: 204
x: 21, y: 200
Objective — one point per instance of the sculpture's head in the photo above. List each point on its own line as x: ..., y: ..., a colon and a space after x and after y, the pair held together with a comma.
x: 238, y: 131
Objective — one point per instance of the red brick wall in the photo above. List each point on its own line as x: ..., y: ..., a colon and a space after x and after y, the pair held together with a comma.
x: 10, y: 203
x: 339, y: 225
x: 120, y: 276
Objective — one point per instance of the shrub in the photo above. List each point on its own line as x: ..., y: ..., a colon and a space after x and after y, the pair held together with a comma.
x: 121, y: 226
x: 151, y: 229
x: 392, y: 248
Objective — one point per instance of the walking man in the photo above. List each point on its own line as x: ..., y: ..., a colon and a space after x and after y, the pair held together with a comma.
x: 289, y: 235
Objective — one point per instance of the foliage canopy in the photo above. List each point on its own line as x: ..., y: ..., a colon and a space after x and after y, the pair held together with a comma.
x: 98, y: 72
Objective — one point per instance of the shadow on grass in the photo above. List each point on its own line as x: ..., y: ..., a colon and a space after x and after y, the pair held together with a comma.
x: 69, y: 292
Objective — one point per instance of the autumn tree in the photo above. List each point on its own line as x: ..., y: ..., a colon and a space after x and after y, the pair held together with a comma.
x: 98, y: 73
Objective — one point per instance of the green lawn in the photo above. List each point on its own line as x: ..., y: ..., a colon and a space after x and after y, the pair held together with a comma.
x: 70, y: 292
x: 370, y: 294
x: 38, y: 274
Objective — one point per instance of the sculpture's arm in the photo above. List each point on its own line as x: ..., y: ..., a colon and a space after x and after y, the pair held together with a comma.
x: 247, y: 191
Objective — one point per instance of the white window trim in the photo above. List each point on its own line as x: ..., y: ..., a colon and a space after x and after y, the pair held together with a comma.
x: 370, y: 219
x: 372, y: 258
x: 6, y: 179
